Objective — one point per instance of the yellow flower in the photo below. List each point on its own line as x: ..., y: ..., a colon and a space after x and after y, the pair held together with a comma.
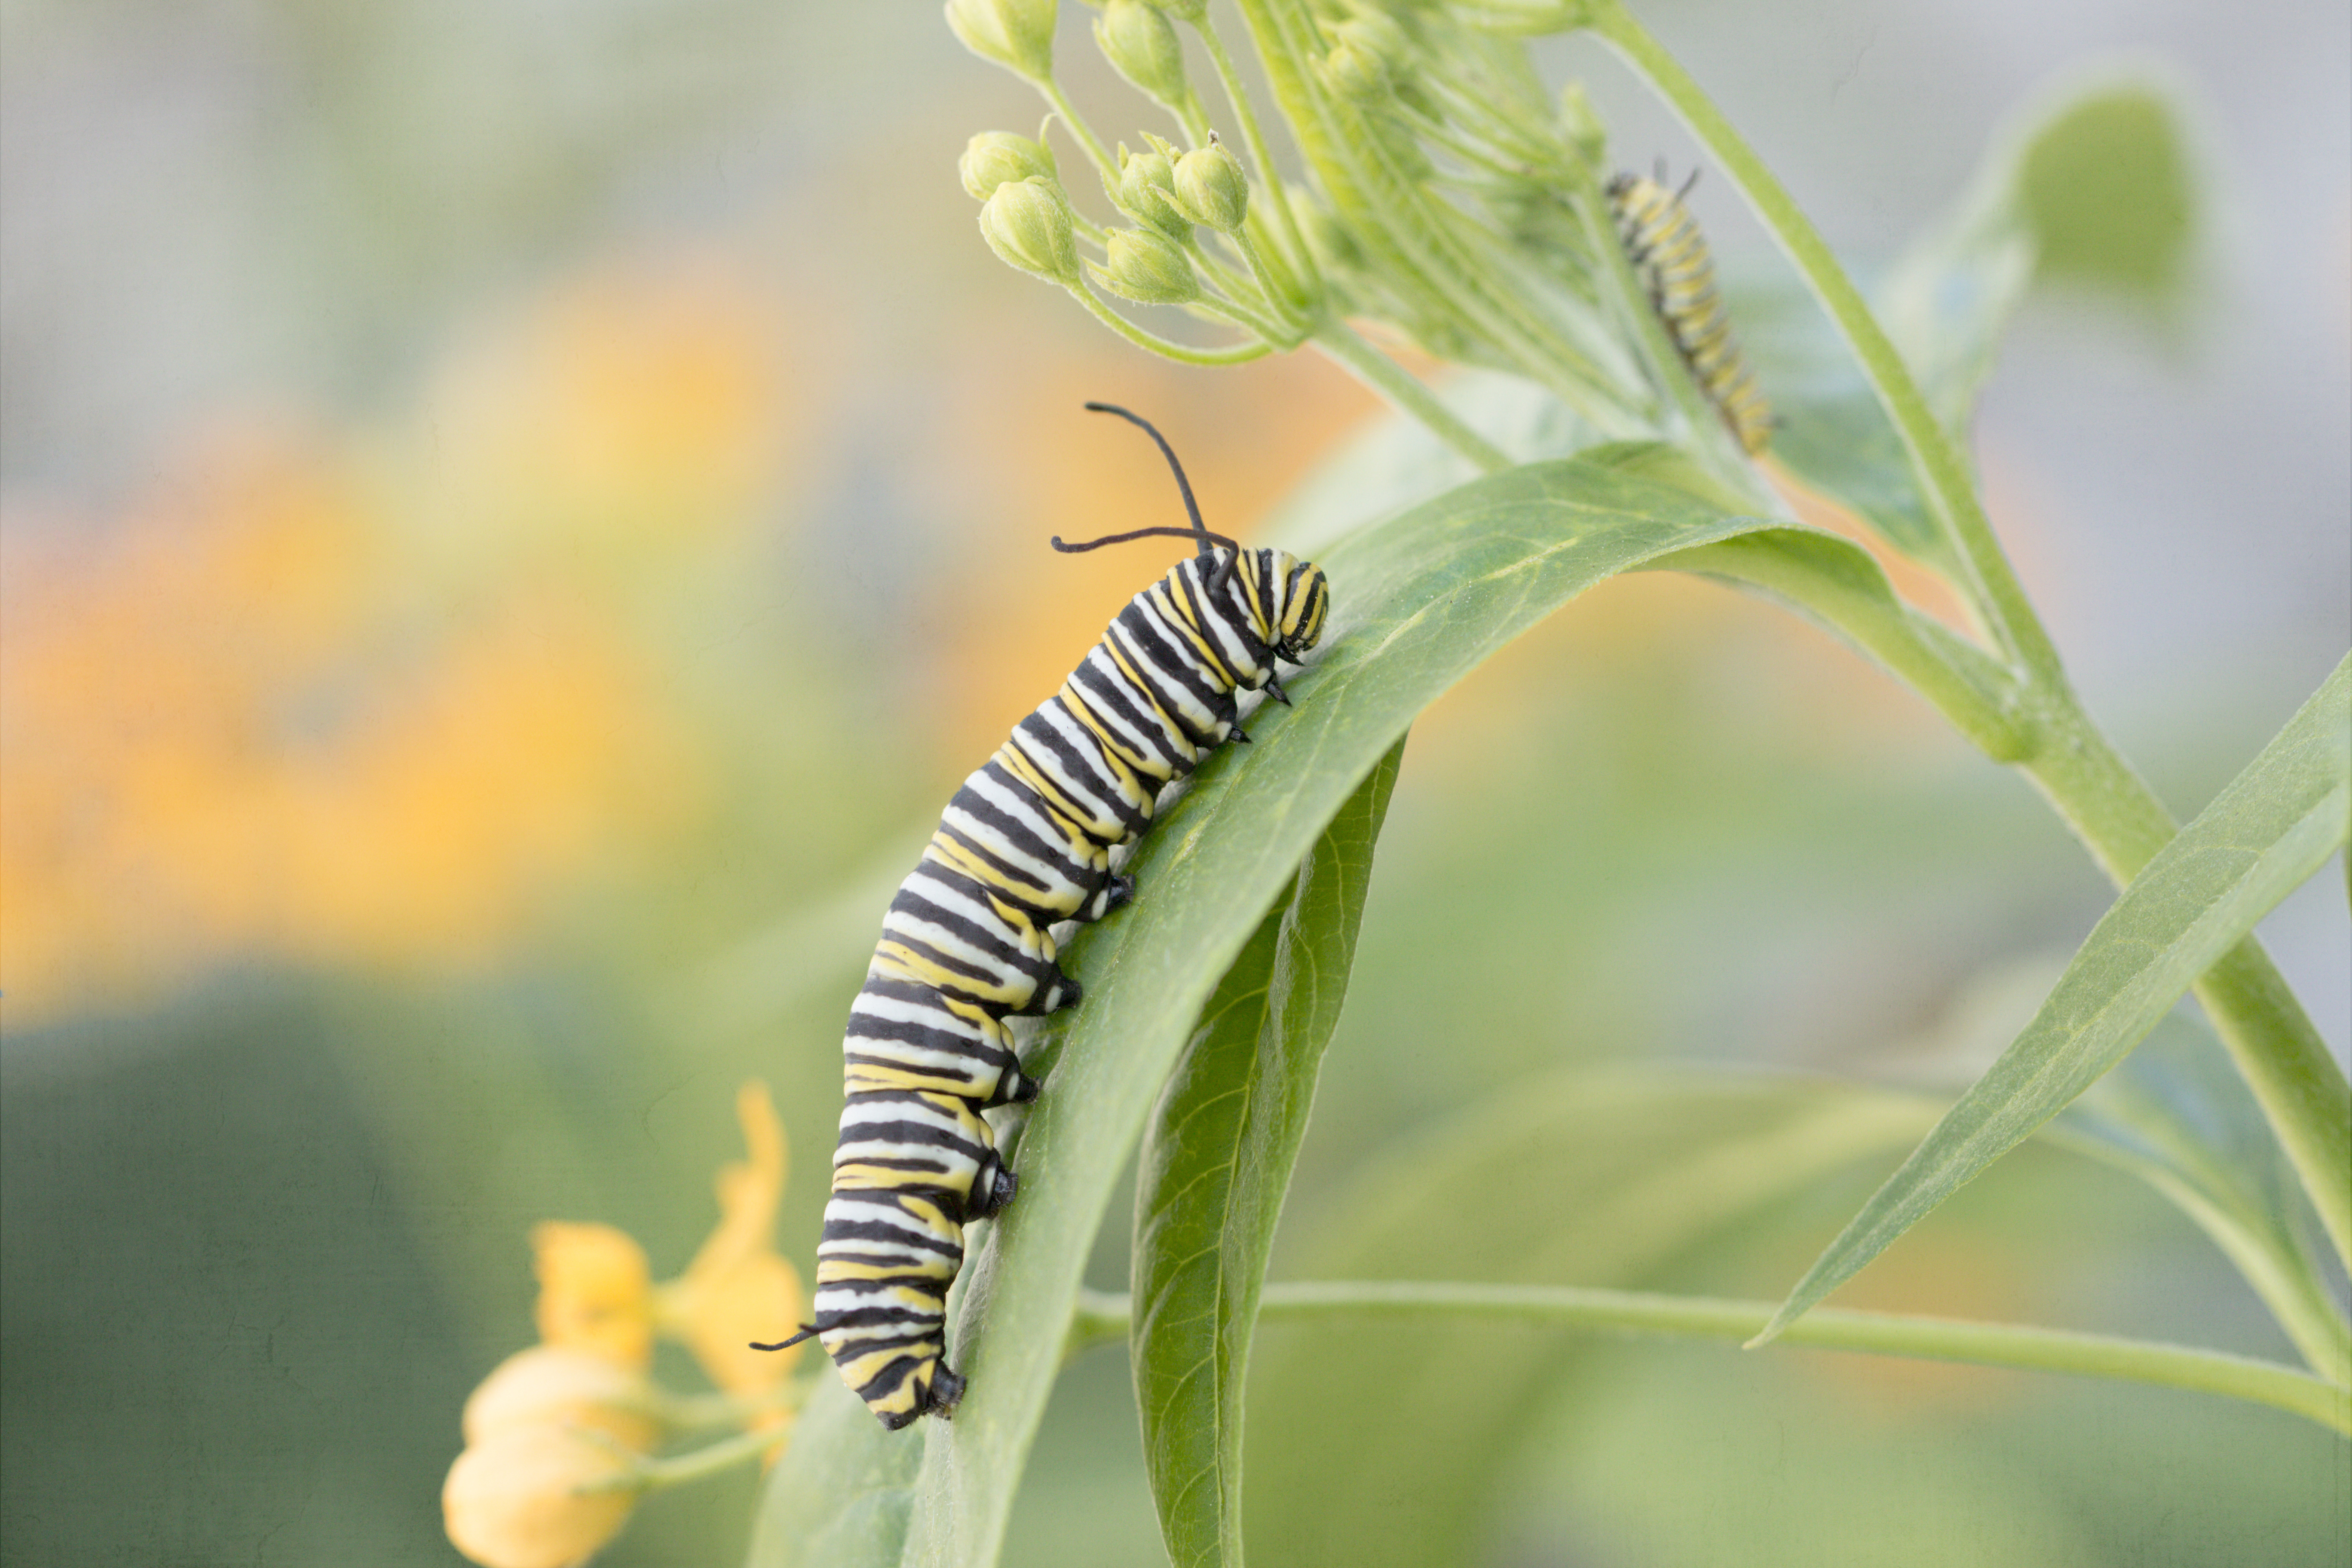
x: 555, y: 1435
x: 565, y: 1385
x: 737, y: 1289
x: 595, y: 1291
x: 536, y: 1494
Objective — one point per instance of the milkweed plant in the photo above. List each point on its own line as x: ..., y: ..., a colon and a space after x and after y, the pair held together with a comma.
x: 1394, y: 184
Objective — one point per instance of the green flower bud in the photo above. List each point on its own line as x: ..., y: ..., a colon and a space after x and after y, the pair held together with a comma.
x: 1140, y: 44
x: 1581, y: 122
x: 1027, y: 224
x: 1355, y: 68
x: 1211, y: 188
x: 1148, y: 268
x: 996, y: 158
x: 1147, y: 193
x: 1185, y: 10
x: 1017, y: 34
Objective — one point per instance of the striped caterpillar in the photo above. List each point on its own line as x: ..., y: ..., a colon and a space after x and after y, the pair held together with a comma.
x: 1025, y: 843
x: 1669, y: 255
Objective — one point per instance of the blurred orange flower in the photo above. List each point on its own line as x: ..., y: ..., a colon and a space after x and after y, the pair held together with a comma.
x: 374, y: 700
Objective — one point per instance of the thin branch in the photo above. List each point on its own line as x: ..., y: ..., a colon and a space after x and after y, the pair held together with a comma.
x: 2016, y: 1345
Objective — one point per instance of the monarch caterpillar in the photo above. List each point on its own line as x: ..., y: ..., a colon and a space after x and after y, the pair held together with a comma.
x: 1025, y: 843
x: 1669, y: 255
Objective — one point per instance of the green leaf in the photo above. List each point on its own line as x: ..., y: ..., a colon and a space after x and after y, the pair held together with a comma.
x: 1840, y: 586
x: 2092, y: 187
x: 1215, y: 1164
x: 1383, y: 1440
x: 2272, y: 826
x: 2107, y: 186
x: 2176, y: 1116
x: 1418, y: 602
x: 843, y: 1496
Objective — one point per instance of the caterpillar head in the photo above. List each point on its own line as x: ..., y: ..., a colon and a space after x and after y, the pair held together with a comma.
x: 1281, y: 601
x: 1282, y: 598
x: 1305, y: 601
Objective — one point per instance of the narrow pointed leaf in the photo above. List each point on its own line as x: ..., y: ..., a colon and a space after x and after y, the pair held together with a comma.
x: 1216, y: 1161
x: 2272, y: 826
x: 1418, y: 600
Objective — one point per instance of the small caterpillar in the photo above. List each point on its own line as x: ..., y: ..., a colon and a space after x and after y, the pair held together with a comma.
x: 1025, y: 843
x: 1669, y: 254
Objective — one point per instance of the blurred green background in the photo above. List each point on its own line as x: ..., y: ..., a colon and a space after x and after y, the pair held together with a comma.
x: 515, y: 516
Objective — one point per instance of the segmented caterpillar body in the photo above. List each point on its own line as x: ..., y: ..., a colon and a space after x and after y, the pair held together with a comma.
x: 1669, y: 254
x: 1025, y: 842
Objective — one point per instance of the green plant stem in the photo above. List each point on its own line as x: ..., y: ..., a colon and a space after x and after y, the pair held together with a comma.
x: 652, y: 1475
x: 1387, y: 378
x: 1242, y: 316
x: 1239, y: 354
x: 1227, y: 279
x: 687, y: 1412
x: 1099, y: 1317
x: 2294, y: 1079
x: 1289, y: 245
x: 1943, y: 473
x: 1277, y: 296
x: 2282, y: 1274
x: 1096, y: 153
x: 2016, y: 1346
x: 2300, y: 1087
x: 1194, y: 118
x: 1418, y: 240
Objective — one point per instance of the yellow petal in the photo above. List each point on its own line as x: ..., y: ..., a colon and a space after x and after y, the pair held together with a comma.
x: 521, y: 1498
x: 595, y: 1291
x: 737, y: 1290
x: 561, y: 1384
x: 748, y: 1190
x: 719, y: 1316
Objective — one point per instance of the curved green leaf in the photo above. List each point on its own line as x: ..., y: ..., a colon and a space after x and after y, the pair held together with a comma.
x: 1839, y: 585
x: 2092, y: 185
x: 2272, y: 826
x: 1215, y: 1164
x: 1418, y: 602
x: 1388, y: 1440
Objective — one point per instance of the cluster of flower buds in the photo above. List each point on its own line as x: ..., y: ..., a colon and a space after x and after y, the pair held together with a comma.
x: 1167, y: 193
x: 560, y: 1438
x: 1446, y: 194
